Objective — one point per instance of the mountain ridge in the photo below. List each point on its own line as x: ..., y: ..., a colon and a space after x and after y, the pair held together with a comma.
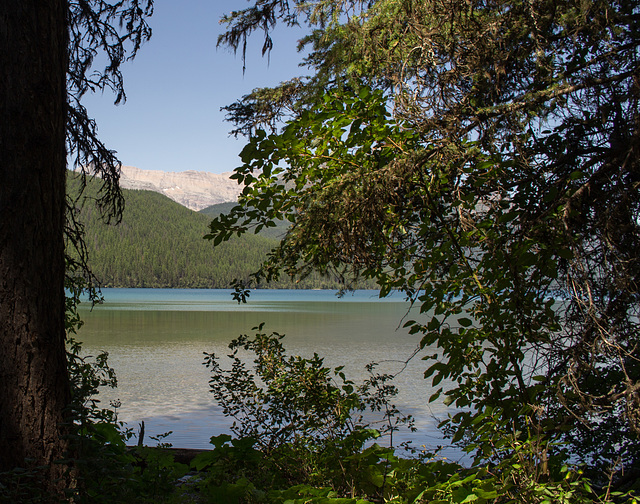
x: 193, y: 189
x: 159, y: 244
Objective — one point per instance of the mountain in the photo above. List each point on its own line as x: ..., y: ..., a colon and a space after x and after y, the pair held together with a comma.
x: 268, y: 232
x: 159, y: 243
x: 192, y: 189
x: 218, y: 208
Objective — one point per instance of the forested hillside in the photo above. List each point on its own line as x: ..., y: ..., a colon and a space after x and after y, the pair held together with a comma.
x: 159, y: 244
x: 276, y: 232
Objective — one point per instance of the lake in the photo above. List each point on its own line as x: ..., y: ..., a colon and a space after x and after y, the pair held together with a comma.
x: 156, y: 339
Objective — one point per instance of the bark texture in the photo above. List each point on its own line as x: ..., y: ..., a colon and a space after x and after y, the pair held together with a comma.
x: 34, y: 388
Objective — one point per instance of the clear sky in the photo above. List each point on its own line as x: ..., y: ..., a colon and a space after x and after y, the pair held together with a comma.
x: 176, y: 85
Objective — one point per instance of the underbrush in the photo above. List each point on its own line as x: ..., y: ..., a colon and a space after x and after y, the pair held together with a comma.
x: 299, y: 436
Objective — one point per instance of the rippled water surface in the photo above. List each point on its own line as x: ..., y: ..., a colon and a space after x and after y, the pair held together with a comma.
x: 156, y: 339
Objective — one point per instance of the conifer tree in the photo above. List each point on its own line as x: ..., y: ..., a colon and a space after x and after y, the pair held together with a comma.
x: 483, y: 158
x: 45, y: 68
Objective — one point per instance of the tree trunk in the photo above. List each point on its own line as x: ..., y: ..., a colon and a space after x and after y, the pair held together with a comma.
x: 34, y: 385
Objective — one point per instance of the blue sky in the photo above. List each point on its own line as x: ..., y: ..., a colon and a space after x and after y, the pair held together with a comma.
x: 175, y: 87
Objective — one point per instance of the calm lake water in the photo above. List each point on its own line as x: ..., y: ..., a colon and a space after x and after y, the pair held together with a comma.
x: 156, y: 339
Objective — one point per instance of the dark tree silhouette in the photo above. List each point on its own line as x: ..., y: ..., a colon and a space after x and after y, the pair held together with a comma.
x: 45, y: 68
x: 33, y: 378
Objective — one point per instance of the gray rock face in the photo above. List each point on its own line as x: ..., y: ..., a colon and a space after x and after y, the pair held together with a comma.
x: 195, y: 190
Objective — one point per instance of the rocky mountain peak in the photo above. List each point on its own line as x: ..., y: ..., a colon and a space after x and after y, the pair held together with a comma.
x: 193, y: 189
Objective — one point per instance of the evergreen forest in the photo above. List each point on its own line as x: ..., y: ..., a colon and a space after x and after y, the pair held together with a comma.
x: 159, y: 244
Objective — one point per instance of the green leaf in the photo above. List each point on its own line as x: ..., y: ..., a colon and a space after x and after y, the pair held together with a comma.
x: 465, y: 322
x: 462, y: 495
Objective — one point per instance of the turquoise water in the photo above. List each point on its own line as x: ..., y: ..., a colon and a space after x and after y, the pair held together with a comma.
x: 156, y: 339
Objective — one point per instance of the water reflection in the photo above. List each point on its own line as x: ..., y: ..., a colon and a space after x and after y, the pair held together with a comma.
x: 156, y: 339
